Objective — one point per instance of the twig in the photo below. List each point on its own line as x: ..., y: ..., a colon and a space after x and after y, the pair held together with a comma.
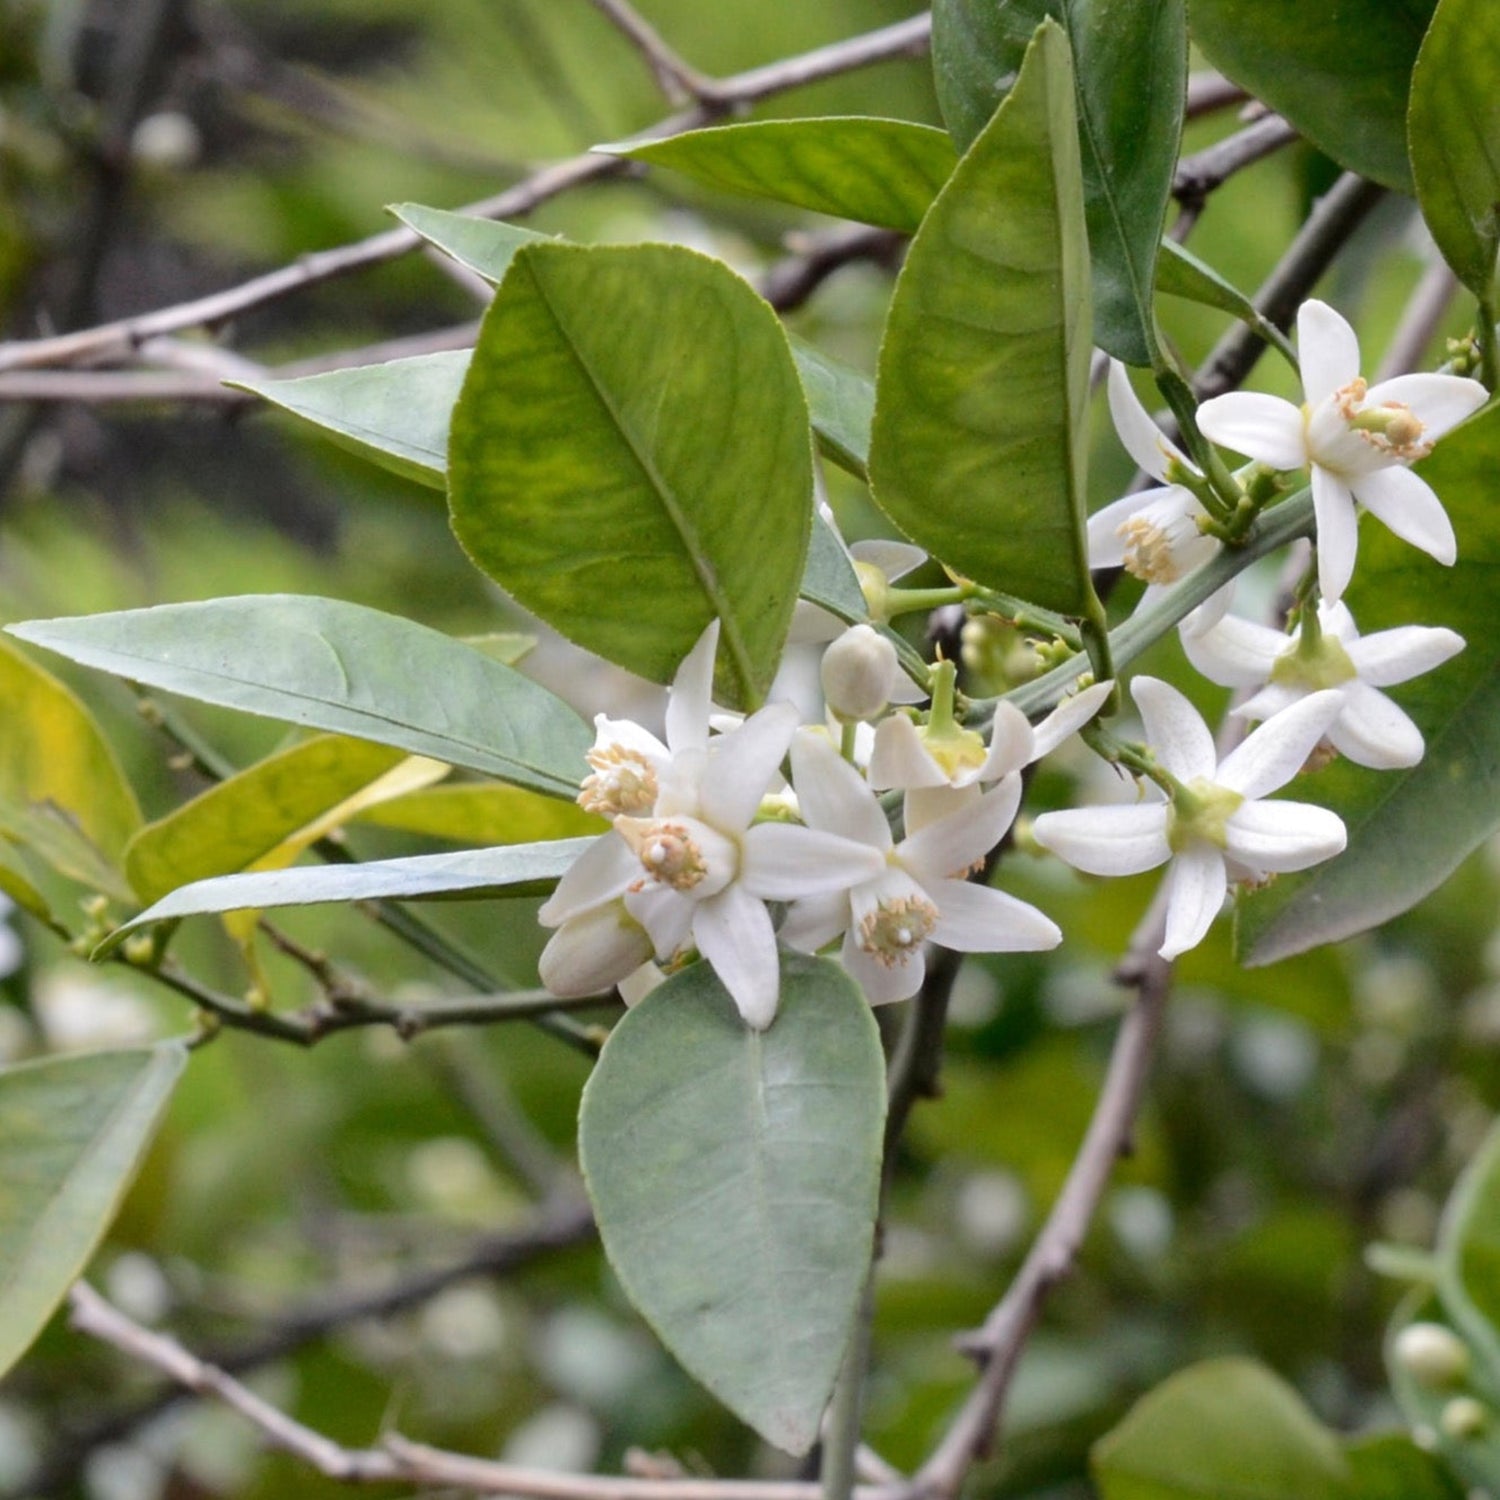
x: 1209, y: 91
x: 676, y: 79
x: 1426, y: 308
x: 814, y: 258
x: 1199, y: 175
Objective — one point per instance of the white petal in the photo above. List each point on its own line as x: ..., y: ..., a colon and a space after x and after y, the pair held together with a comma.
x: 1338, y: 532
x: 1208, y: 614
x: 1105, y: 543
x: 1281, y: 836
x: 1012, y: 744
x: 881, y: 983
x: 1236, y: 652
x: 923, y: 806
x: 1327, y: 351
x: 1336, y: 620
x: 741, y: 765
x: 1439, y: 402
x: 598, y: 875
x: 1409, y: 507
x: 1143, y: 440
x: 833, y: 796
x: 1174, y: 729
x: 733, y: 932
x: 1271, y: 700
x: 691, y: 693
x: 780, y: 862
x: 976, y: 919
x: 1263, y: 427
x: 1107, y: 840
x: 667, y: 916
x: 1373, y: 732
x: 961, y: 839
x: 815, y: 920
x: 1392, y: 656
x: 1274, y: 753
x: 1067, y: 719
x: 1195, y: 894
x: 679, y: 784
x: 592, y: 951
x: 626, y: 734
x: 900, y: 759
x: 894, y: 559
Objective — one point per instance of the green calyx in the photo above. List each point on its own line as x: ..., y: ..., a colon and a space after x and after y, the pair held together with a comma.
x: 1200, y: 811
x: 1317, y: 661
x: 952, y: 746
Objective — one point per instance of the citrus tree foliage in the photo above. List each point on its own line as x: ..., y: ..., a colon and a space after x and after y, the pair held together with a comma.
x: 749, y: 909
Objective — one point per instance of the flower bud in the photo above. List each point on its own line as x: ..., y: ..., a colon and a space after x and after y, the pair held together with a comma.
x: 859, y: 674
x: 594, y: 950
x: 1432, y: 1355
x: 1464, y: 1418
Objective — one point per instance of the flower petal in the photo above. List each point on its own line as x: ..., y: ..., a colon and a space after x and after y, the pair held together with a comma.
x: 1012, y: 744
x: 1263, y: 427
x: 833, y: 796
x: 741, y: 765
x: 1409, y: 507
x: 1281, y: 836
x: 976, y: 919
x: 691, y: 693
x: 1327, y: 350
x: 1195, y: 893
x: 1274, y: 753
x: 733, y: 932
x: 1067, y: 719
x: 593, y: 951
x: 1174, y: 729
x: 884, y: 983
x: 780, y: 862
x: 1338, y: 532
x: 1107, y: 840
x: 667, y: 916
x: 923, y: 806
x: 894, y: 559
x: 1271, y: 700
x: 1143, y: 440
x: 1373, y: 731
x: 1439, y: 402
x: 899, y: 758
x: 961, y: 839
x: 1106, y: 544
x: 599, y: 874
x: 1392, y: 656
x: 815, y: 920
x: 1236, y: 652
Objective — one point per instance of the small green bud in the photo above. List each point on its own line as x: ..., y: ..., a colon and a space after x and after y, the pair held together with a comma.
x: 140, y: 949
x: 1464, y: 1418
x: 1432, y: 1355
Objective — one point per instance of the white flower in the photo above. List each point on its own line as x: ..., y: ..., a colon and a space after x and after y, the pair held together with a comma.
x: 1216, y: 826
x: 1357, y: 439
x: 691, y: 870
x: 918, y: 888
x: 1370, y: 730
x: 861, y: 676
x: 1153, y: 534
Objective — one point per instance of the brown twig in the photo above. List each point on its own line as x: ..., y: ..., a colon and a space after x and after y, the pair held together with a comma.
x: 678, y: 81
x: 1204, y: 172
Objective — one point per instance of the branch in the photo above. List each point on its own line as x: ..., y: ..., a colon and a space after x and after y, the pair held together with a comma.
x: 1424, y: 311
x: 1201, y: 174
x: 676, y: 79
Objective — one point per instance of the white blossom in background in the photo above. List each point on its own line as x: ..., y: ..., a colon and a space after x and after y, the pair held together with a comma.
x: 1356, y: 439
x: 916, y: 891
x: 1370, y: 729
x: 1217, y: 826
x: 693, y: 869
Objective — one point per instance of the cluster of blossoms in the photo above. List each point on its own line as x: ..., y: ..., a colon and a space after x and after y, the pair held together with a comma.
x: 712, y: 851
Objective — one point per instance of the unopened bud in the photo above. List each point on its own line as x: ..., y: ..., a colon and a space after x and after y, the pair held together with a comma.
x: 1464, y: 1418
x: 1432, y: 1355
x: 859, y: 674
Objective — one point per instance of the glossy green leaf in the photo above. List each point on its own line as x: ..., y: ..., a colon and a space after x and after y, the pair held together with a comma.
x: 234, y: 823
x: 484, y: 246
x: 395, y: 414
x: 1453, y: 128
x: 515, y: 870
x: 62, y: 792
x: 980, y: 437
x: 841, y: 402
x: 1389, y: 1466
x: 75, y: 1130
x: 1224, y: 1427
x: 1339, y: 73
x: 1180, y: 273
x: 873, y: 171
x: 735, y: 1175
x: 1409, y: 830
x: 1130, y: 58
x: 341, y: 667
x: 830, y: 579
x: 481, y: 813
x: 624, y: 487
x: 22, y: 882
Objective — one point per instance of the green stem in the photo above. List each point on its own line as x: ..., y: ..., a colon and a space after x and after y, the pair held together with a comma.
x: 1179, y: 396
x: 1489, y: 361
x: 910, y: 601
x: 841, y: 1436
x: 1029, y: 616
x: 1094, y: 627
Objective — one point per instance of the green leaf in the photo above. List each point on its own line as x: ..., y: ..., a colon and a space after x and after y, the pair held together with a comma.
x: 395, y: 414
x: 1409, y: 830
x: 980, y: 436
x: 1180, y: 273
x: 75, y: 1131
x: 841, y: 402
x: 514, y: 870
x: 233, y: 824
x: 1389, y: 1466
x: 480, y: 813
x: 342, y: 667
x: 830, y: 579
x: 735, y: 1176
x: 62, y: 792
x: 1221, y: 1428
x: 1339, y: 73
x: 619, y: 482
x: 1453, y: 128
x: 873, y: 171
x: 1131, y: 64
x: 484, y: 246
